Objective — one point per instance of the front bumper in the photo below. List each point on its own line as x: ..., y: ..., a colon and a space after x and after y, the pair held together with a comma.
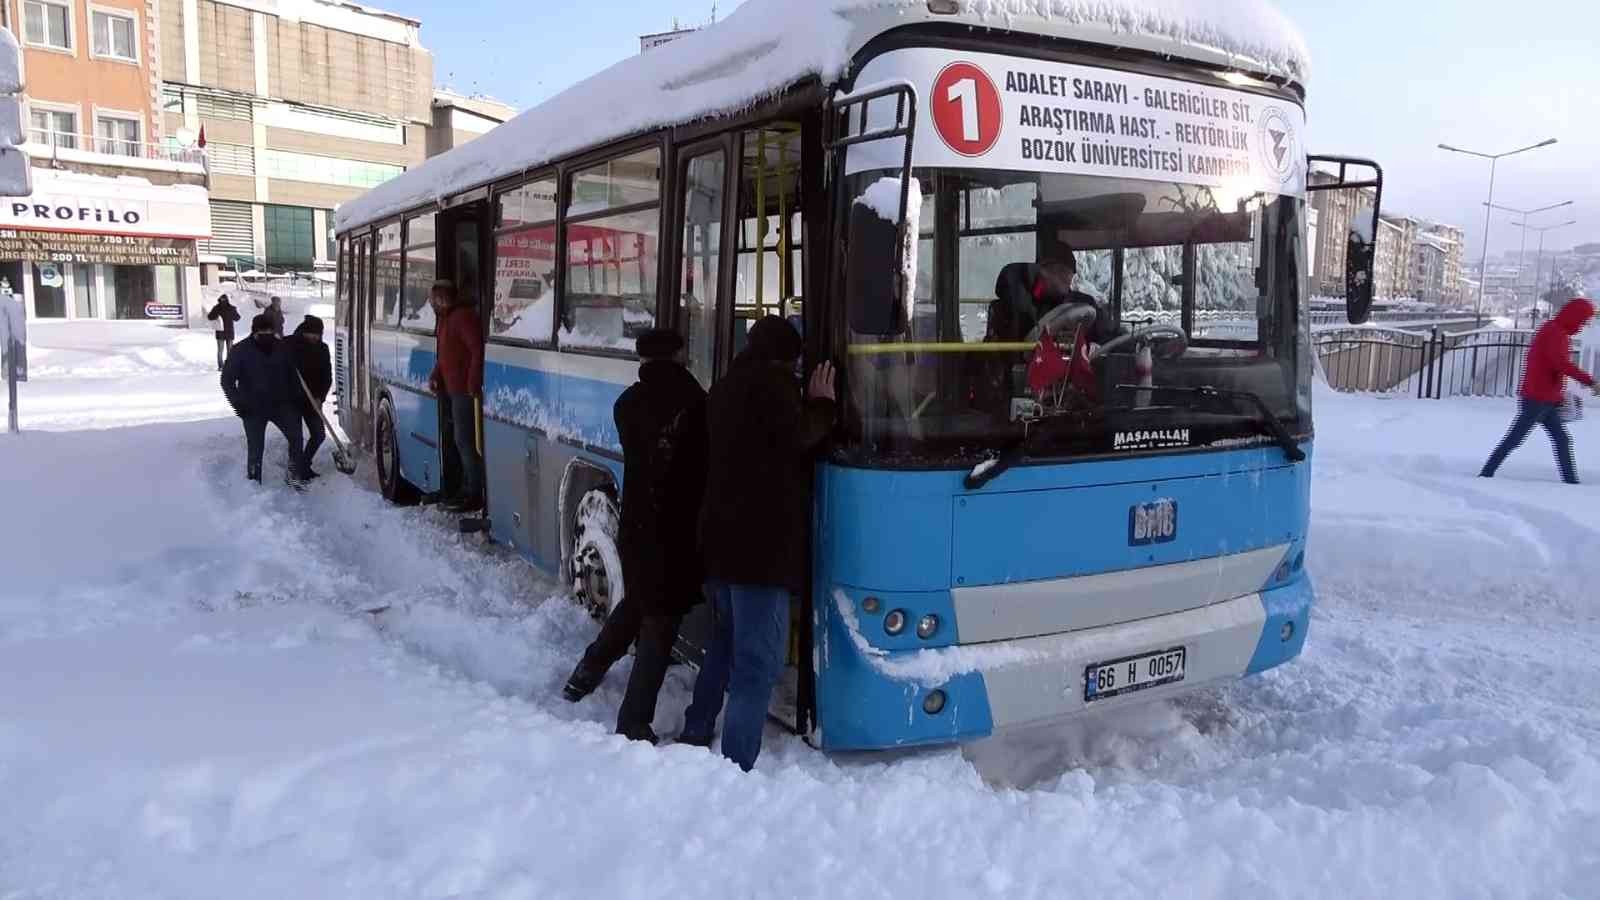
x: 876, y: 699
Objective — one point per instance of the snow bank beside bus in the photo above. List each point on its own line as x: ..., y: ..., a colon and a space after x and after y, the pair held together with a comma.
x: 767, y: 46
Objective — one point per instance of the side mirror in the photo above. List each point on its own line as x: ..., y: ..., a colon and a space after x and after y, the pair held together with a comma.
x: 1360, y: 263
x: 880, y: 252
x: 1347, y: 194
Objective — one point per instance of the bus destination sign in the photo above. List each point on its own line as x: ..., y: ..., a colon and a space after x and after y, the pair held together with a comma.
x: 978, y: 110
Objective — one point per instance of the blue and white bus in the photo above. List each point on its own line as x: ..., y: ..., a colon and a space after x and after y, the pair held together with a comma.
x: 1038, y: 501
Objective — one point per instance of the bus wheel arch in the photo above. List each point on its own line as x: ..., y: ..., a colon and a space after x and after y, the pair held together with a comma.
x: 386, y: 452
x: 590, y: 523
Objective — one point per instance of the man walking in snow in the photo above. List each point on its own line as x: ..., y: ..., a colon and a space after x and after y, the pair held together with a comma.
x: 224, y: 314
x: 458, y: 377
x: 1544, y: 388
x: 311, y: 370
x: 753, y: 530
x: 274, y: 311
x: 256, y: 387
x: 661, y: 420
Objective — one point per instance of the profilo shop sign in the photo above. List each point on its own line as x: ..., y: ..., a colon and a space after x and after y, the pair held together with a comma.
x: 88, y: 204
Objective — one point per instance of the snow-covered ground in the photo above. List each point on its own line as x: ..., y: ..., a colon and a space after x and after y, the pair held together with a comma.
x: 198, y: 704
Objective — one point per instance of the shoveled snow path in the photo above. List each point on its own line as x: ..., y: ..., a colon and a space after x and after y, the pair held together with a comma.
x: 204, y: 710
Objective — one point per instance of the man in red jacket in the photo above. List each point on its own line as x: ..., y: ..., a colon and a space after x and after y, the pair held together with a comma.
x: 457, y: 378
x: 1544, y: 385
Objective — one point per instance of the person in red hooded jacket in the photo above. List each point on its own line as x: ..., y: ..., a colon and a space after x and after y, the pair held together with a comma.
x: 1544, y: 383
x: 458, y: 377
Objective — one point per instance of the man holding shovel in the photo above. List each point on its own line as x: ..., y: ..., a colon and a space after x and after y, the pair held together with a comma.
x: 306, y: 353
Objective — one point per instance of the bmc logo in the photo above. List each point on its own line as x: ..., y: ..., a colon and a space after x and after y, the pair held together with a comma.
x: 966, y: 109
x: 1153, y: 523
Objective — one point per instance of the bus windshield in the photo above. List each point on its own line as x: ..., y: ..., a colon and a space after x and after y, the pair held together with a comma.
x: 1086, y: 315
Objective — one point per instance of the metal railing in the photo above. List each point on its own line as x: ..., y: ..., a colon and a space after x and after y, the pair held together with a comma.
x: 1428, y: 365
x: 63, y: 145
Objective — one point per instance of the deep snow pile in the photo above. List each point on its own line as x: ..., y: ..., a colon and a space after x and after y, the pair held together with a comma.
x: 198, y: 704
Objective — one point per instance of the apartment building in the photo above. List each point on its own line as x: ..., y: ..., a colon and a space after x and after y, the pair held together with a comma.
x: 300, y: 105
x: 458, y: 119
x: 113, y: 228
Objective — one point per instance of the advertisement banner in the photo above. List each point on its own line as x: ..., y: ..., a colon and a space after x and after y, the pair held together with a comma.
x: 57, y: 248
x: 980, y: 110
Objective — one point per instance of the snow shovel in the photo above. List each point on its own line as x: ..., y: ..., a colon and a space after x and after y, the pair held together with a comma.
x: 343, y: 459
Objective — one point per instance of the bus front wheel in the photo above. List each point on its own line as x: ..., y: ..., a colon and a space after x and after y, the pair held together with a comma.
x: 596, y: 563
x: 396, y: 489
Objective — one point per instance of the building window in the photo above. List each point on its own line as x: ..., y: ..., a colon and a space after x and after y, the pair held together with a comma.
x: 47, y: 24
x: 326, y: 169
x: 53, y: 128
x: 116, y: 35
x: 289, y: 236
x: 116, y: 135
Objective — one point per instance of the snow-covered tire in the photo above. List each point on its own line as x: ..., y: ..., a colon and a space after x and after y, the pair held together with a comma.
x: 394, y: 486
x: 597, y: 580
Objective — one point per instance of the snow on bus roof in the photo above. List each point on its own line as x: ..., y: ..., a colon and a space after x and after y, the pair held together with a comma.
x: 766, y: 46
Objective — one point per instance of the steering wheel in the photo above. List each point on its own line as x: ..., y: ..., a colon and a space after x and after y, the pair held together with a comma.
x: 1168, y: 341
x: 1063, y: 318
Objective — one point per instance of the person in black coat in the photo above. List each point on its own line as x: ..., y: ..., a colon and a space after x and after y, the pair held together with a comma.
x: 661, y: 420
x: 224, y: 314
x: 308, y: 358
x: 753, y: 529
x: 253, y: 378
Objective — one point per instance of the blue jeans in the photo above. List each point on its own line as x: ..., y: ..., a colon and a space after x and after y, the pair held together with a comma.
x: 1530, y: 414
x: 464, y: 425
x: 745, y: 660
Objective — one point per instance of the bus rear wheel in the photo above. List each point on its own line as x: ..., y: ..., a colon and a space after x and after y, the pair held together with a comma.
x: 394, y: 486
x: 596, y: 563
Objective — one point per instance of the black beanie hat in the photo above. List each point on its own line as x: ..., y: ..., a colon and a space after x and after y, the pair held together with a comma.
x: 262, y: 322
x: 658, y: 343
x: 312, y: 325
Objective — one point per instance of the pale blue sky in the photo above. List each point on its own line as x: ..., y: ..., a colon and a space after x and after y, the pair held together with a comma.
x: 1390, y: 79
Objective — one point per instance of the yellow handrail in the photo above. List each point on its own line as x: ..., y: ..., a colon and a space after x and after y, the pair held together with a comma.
x: 939, y: 347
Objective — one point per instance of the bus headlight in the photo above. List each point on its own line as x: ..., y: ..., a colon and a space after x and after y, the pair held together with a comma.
x: 895, y: 622
x: 871, y: 606
x: 933, y: 704
x: 1286, y: 633
x: 927, y: 626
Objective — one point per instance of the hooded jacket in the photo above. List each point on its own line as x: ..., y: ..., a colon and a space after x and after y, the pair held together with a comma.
x: 753, y: 523
x: 310, y: 360
x: 1550, y: 356
x: 224, y: 314
x: 253, y: 379
x: 460, y: 362
x: 661, y: 420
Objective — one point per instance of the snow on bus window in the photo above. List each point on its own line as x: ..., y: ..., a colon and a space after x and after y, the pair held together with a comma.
x: 611, y: 266
x: 525, y: 284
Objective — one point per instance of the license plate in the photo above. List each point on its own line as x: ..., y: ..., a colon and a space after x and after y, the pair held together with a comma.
x: 1102, y: 681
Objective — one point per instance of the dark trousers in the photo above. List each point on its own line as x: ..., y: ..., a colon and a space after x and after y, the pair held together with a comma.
x: 464, y: 424
x: 255, y: 442
x: 222, y: 351
x: 616, y: 636
x: 1530, y: 414
x: 745, y: 660
x: 652, y: 656
x: 316, y: 433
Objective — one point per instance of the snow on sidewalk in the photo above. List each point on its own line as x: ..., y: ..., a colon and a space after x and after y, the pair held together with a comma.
x: 196, y: 705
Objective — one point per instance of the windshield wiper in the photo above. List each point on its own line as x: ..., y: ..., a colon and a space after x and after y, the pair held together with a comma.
x: 1263, y: 416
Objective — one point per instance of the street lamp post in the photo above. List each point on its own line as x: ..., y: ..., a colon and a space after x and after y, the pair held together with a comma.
x: 1538, y: 266
x: 1522, y: 252
x: 1494, y: 160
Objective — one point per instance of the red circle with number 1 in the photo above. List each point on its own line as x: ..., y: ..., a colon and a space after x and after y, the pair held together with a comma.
x: 966, y: 109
